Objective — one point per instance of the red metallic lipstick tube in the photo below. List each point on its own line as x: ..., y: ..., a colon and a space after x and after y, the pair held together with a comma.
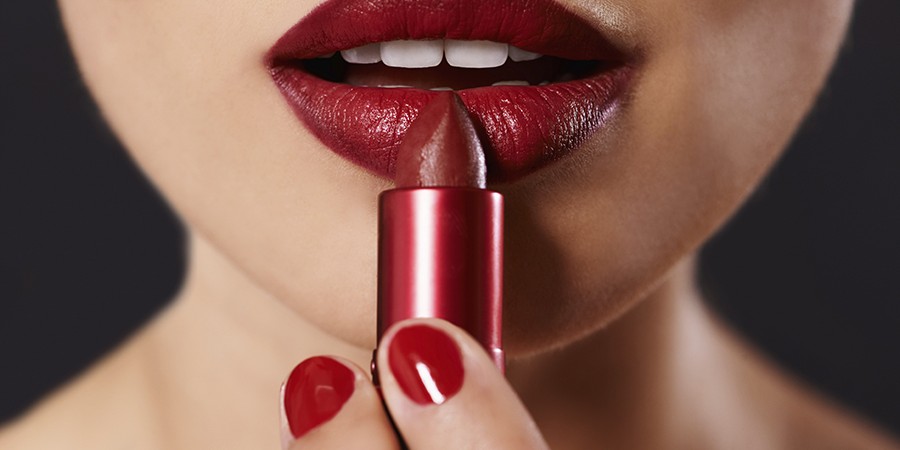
x: 441, y: 255
x: 440, y: 234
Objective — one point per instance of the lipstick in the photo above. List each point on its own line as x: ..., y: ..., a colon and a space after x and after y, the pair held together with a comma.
x: 440, y: 232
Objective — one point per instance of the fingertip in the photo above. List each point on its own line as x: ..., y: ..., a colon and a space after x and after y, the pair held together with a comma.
x: 314, y: 392
x: 426, y: 363
x: 323, y: 398
x: 433, y: 337
x: 444, y: 390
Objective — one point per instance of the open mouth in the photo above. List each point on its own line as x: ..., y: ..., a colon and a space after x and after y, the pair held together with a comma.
x: 445, y: 65
x: 537, y: 79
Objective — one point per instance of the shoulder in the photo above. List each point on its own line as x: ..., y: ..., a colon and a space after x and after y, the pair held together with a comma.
x: 748, y: 401
x: 101, y: 408
x: 818, y: 422
x: 799, y: 415
x: 24, y: 432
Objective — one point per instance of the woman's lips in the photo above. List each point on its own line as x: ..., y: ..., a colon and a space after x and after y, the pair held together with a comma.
x: 525, y: 127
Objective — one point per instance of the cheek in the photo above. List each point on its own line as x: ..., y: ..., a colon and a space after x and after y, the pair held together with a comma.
x: 723, y: 85
x: 183, y: 85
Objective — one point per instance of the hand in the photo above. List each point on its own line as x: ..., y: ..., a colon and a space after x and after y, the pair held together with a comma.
x: 440, y: 389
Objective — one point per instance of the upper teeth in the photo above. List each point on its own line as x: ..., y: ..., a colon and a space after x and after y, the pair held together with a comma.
x: 420, y: 54
x: 412, y: 54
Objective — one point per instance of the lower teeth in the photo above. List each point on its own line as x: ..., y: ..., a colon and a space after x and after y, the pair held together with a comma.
x: 511, y: 83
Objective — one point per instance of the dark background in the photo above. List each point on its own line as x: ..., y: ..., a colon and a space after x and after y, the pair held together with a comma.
x: 808, y: 270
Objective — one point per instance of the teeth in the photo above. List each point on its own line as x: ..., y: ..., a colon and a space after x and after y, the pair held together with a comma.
x: 475, y: 54
x: 367, y: 54
x: 441, y: 89
x: 518, y: 55
x: 394, y: 86
x: 421, y: 54
x: 412, y: 54
x: 511, y: 83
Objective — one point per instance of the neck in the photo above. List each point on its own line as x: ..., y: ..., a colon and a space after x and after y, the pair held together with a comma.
x: 225, y: 345
x: 662, y: 376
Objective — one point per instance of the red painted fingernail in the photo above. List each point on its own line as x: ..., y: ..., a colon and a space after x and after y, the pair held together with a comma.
x: 314, y: 393
x: 426, y: 364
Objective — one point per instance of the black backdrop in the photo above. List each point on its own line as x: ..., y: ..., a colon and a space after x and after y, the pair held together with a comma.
x: 808, y: 270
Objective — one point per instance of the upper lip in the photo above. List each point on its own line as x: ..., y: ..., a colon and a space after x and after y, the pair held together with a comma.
x: 540, y: 26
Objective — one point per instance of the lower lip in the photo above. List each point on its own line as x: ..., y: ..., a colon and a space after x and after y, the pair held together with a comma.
x: 524, y: 128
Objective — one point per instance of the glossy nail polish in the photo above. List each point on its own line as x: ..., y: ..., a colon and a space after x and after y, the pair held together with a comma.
x: 426, y: 363
x: 315, y: 392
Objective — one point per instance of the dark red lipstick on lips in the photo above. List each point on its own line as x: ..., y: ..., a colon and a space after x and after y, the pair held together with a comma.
x: 530, y: 109
x: 440, y: 237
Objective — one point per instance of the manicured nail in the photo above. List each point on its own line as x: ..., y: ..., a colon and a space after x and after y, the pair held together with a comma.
x: 426, y: 364
x: 314, y: 393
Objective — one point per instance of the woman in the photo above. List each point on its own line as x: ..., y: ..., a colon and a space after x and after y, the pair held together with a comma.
x: 607, y: 340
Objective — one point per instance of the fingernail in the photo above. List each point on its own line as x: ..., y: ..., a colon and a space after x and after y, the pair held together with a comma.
x: 426, y: 364
x: 314, y: 393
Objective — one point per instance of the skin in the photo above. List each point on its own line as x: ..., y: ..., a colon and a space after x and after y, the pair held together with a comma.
x: 282, y: 244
